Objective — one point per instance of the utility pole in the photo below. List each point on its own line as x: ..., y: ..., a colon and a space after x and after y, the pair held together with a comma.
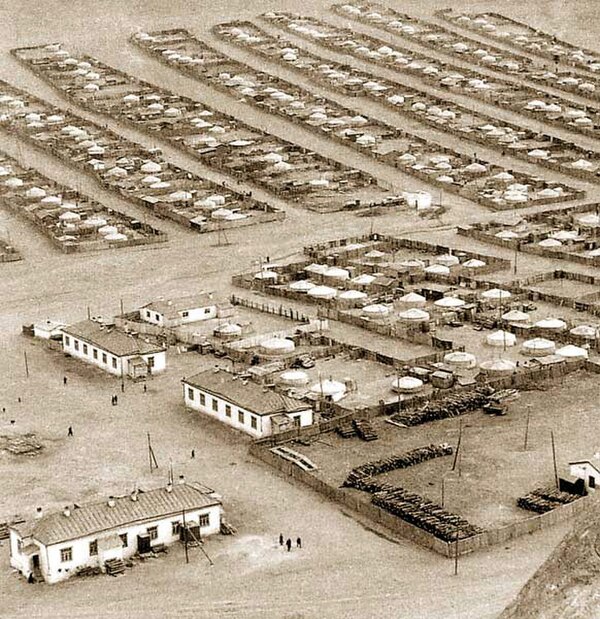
x: 527, y: 429
x: 457, y: 445
x: 443, y: 489
x: 89, y: 315
x: 26, y: 364
x: 554, y: 458
x: 122, y: 310
x: 456, y: 550
x: 151, y: 457
x: 185, y: 540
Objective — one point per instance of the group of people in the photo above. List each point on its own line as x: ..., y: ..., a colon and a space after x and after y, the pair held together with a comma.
x: 288, y: 543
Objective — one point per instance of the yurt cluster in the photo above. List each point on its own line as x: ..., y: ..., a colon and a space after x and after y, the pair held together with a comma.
x: 491, y: 184
x: 456, y: 78
x: 217, y: 139
x: 72, y: 221
x: 570, y: 233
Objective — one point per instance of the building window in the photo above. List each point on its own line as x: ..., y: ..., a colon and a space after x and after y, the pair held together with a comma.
x: 204, y: 520
x: 66, y: 554
x: 150, y: 362
x: 253, y: 421
x: 152, y: 532
x: 104, y: 358
x: 94, y: 353
x: 227, y: 410
x: 190, y: 393
x: 94, y: 548
x: 202, y: 399
x: 19, y: 545
x: 592, y: 481
x: 156, y: 317
x: 185, y: 314
x: 148, y: 314
x: 76, y: 344
x: 241, y: 416
x: 67, y: 340
x: 215, y: 405
x: 124, y: 540
x: 114, y: 362
x: 175, y: 527
x: 207, y: 310
x: 85, y: 349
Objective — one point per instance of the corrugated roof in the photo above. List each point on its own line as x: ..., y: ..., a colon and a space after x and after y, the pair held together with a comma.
x: 94, y: 518
x: 170, y: 308
x: 245, y: 394
x: 112, y: 340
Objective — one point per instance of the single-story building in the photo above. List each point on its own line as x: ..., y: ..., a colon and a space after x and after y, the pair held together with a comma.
x: 244, y: 404
x: 177, y: 312
x: 586, y: 470
x: 113, y: 350
x: 48, y: 329
x: 55, y: 546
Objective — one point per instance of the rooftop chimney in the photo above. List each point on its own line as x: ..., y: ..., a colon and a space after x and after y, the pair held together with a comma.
x: 67, y: 511
x: 182, y: 479
x: 134, y: 495
x: 111, y: 501
x: 169, y: 487
x: 38, y: 512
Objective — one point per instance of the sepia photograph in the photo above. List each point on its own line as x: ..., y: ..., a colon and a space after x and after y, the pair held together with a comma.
x: 300, y: 309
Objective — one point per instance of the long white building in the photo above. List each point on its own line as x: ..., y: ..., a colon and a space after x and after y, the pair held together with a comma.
x: 177, y: 312
x: 112, y: 350
x: 55, y: 546
x: 244, y: 404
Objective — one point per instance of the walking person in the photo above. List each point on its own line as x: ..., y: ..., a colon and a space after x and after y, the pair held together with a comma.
x: 70, y: 432
x: 145, y: 387
x: 298, y: 543
x: 289, y: 544
x: 116, y: 399
x: 281, y: 539
x: 65, y: 381
x: 193, y: 453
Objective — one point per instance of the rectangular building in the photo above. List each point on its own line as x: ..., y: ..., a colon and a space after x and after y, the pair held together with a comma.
x: 112, y: 350
x: 243, y: 404
x: 177, y: 312
x: 55, y: 546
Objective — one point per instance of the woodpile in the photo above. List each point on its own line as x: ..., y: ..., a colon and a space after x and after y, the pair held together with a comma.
x: 227, y: 529
x: 114, y: 567
x: 88, y: 571
x: 346, y: 429
x: 451, y: 406
x: 425, y: 514
x: 364, y: 429
x: 544, y: 500
x: 401, y: 461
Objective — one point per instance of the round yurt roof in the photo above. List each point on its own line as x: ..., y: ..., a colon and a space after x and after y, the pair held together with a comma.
x: 116, y: 236
x: 337, y: 273
x: 474, y: 263
x: 322, y: 292
x: 328, y: 387
x: 406, y: 384
x: 551, y: 323
x: 352, y: 295
x: 586, y: 331
x: 438, y: 269
x: 278, y: 344
x: 13, y: 182
x: 572, y: 352
x: 501, y: 338
x: 151, y: 167
x: 460, y: 359
x: 294, y: 377
x: 266, y: 275
x: 499, y: 366
x: 302, y: 285
x: 413, y: 263
x: 516, y: 316
x: 108, y: 230
x: 229, y: 329
x: 412, y: 298
x: 449, y: 302
x: 539, y: 344
x: 506, y: 234
x: 550, y: 243
x: 496, y: 293
x: 591, y: 219
x: 415, y: 314
x: 364, y: 279
x: 375, y: 253
x: 316, y: 268
x: 447, y: 260
x: 377, y: 309
x: 35, y: 192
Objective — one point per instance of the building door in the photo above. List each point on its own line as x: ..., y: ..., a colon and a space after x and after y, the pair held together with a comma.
x: 35, y: 559
x: 592, y: 481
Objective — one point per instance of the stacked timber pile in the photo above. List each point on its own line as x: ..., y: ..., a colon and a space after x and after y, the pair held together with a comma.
x: 114, y: 567
x: 425, y: 514
x: 544, y: 500
x: 227, y: 529
x: 451, y: 406
x: 410, y: 458
x: 88, y: 571
x: 365, y: 431
x: 25, y: 444
x: 346, y: 429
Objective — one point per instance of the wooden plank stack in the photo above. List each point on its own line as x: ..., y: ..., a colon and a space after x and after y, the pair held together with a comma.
x: 364, y: 429
x: 114, y: 567
x: 543, y: 500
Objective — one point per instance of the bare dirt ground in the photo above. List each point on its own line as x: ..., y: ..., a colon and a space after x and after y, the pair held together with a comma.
x: 344, y: 570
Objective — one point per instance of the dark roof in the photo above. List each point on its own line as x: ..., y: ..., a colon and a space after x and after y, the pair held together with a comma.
x: 170, y: 308
x: 112, y: 340
x: 245, y: 393
x: 97, y: 517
